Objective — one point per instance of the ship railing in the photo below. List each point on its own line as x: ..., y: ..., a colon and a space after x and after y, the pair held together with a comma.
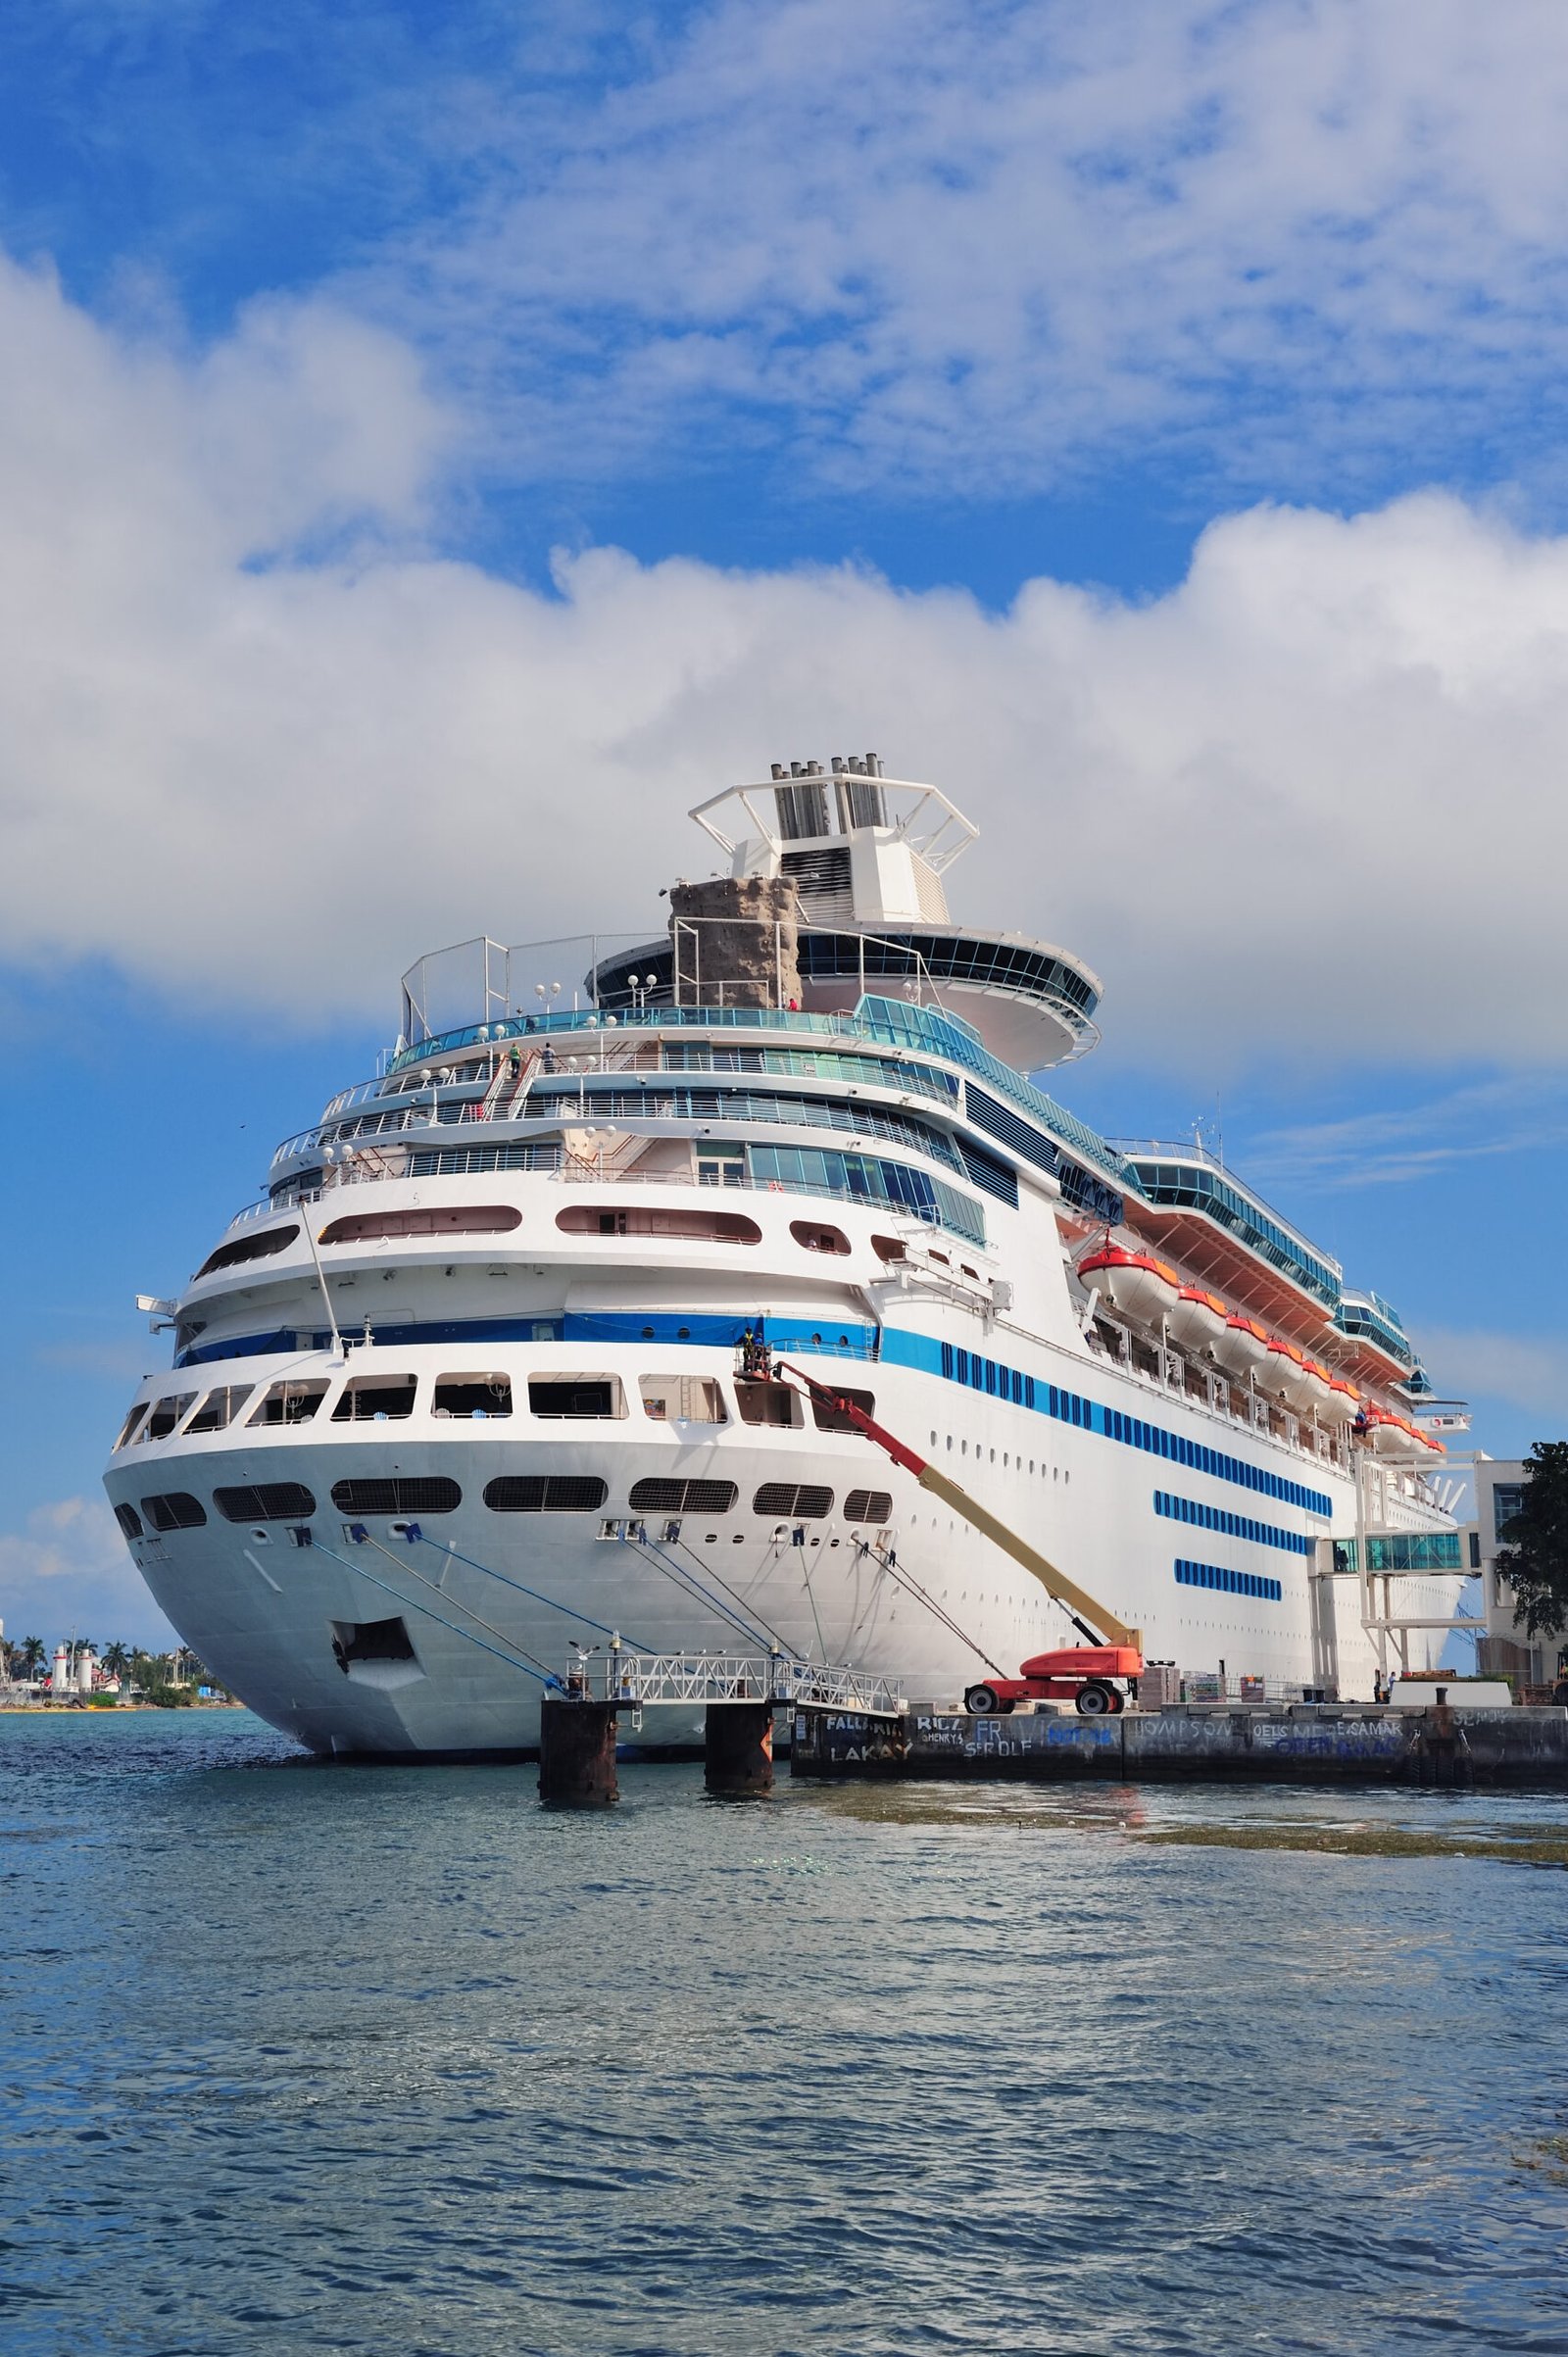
x: 638, y: 1679
x: 505, y: 1030
x: 363, y: 1168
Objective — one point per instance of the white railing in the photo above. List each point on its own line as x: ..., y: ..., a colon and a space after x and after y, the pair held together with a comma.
x: 779, y: 1678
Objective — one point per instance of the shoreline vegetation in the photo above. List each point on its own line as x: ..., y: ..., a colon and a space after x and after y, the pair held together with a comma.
x: 79, y: 1675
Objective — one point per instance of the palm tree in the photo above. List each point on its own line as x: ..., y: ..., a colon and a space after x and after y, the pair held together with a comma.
x: 116, y: 1659
x: 30, y: 1656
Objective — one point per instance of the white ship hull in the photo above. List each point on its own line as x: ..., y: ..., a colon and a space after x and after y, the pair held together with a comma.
x: 260, y: 1611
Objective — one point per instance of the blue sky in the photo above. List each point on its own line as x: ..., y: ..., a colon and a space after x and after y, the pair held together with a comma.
x: 439, y: 445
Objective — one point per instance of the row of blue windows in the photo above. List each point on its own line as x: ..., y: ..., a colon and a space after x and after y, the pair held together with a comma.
x: 1135, y: 1434
x: 988, y: 1375
x: 1233, y: 1583
x: 1234, y: 1526
x: 1089, y: 1416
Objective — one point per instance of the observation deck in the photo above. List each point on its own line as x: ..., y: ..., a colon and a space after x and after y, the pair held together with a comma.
x: 850, y: 864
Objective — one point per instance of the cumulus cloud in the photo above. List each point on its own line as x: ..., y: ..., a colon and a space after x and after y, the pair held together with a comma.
x: 67, y: 1568
x: 979, y: 247
x: 262, y: 748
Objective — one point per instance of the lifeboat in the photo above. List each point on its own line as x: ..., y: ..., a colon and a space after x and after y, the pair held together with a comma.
x: 1195, y: 1322
x: 1244, y: 1348
x: 1284, y: 1374
x: 1133, y: 1283
x: 1346, y: 1399
x: 1392, y: 1437
x: 1333, y: 1401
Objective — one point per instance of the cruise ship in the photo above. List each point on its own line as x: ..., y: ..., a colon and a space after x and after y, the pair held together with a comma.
x: 465, y: 1393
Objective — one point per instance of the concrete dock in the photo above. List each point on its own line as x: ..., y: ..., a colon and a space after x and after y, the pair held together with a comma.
x: 1293, y: 1743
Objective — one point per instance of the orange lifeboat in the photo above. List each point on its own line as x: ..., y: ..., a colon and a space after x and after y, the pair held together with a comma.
x: 1392, y: 1437
x: 1284, y: 1372
x: 1134, y: 1283
x: 1195, y: 1322
x: 1245, y: 1350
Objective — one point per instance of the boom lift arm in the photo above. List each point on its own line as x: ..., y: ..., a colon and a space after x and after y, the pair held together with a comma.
x: 1106, y: 1636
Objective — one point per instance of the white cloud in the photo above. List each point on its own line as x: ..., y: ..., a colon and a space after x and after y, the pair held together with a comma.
x: 1527, y: 1373
x: 68, y: 1569
x: 1306, y: 805
x: 1510, y: 1113
x: 978, y: 246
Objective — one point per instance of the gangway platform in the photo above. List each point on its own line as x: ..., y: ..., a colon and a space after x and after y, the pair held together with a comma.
x: 629, y: 1681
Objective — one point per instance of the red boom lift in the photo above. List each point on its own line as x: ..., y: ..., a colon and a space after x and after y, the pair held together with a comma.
x: 1090, y: 1674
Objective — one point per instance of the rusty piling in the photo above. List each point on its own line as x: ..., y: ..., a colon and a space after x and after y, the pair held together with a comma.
x: 578, y: 1752
x: 738, y: 1748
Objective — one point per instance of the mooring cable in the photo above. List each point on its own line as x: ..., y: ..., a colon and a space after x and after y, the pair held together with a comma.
x: 403, y: 1565
x: 444, y: 1546
x: 411, y: 1604
x: 912, y: 1587
x: 745, y: 1601
x: 683, y: 1579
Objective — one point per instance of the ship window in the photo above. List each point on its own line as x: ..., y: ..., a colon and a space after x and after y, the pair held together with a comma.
x: 166, y: 1415
x: 472, y: 1395
x: 867, y: 1506
x: 660, y: 1497
x: 832, y: 1418
x: 586, y: 1398
x: 128, y: 1520
x: 132, y: 1421
x: 682, y: 1399
x: 265, y: 1502
x: 887, y: 1248
x: 175, y: 1510
x: 249, y: 1247
x: 763, y: 1402
x: 793, y: 1502
x: 370, y: 1399
x: 410, y: 1494
x: 290, y: 1403
x: 639, y: 1219
x: 220, y: 1408
x: 545, y: 1494
x: 815, y: 1238
x: 463, y: 1219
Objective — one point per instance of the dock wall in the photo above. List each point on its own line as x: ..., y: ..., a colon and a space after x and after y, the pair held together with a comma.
x: 1302, y: 1743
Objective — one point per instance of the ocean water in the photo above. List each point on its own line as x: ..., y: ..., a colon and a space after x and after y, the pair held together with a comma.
x: 299, y: 2058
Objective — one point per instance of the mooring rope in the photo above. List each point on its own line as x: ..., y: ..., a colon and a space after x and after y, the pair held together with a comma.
x: 412, y: 1603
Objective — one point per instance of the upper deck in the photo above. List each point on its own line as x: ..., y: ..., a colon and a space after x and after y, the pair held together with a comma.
x: 852, y: 863
x: 757, y: 1044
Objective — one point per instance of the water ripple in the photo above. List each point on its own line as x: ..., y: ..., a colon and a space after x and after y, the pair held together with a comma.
x: 298, y: 2061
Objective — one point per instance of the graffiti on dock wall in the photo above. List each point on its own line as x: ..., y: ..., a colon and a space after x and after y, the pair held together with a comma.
x: 1380, y: 1740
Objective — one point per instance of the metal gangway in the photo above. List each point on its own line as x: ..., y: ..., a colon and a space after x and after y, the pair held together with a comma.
x: 634, y: 1680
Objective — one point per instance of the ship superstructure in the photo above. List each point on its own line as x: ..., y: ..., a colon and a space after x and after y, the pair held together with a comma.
x: 464, y: 1388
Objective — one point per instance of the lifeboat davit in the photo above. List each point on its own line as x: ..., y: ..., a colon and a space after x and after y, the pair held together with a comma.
x: 1195, y: 1322
x: 1284, y: 1373
x: 1135, y: 1283
x: 1244, y: 1348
